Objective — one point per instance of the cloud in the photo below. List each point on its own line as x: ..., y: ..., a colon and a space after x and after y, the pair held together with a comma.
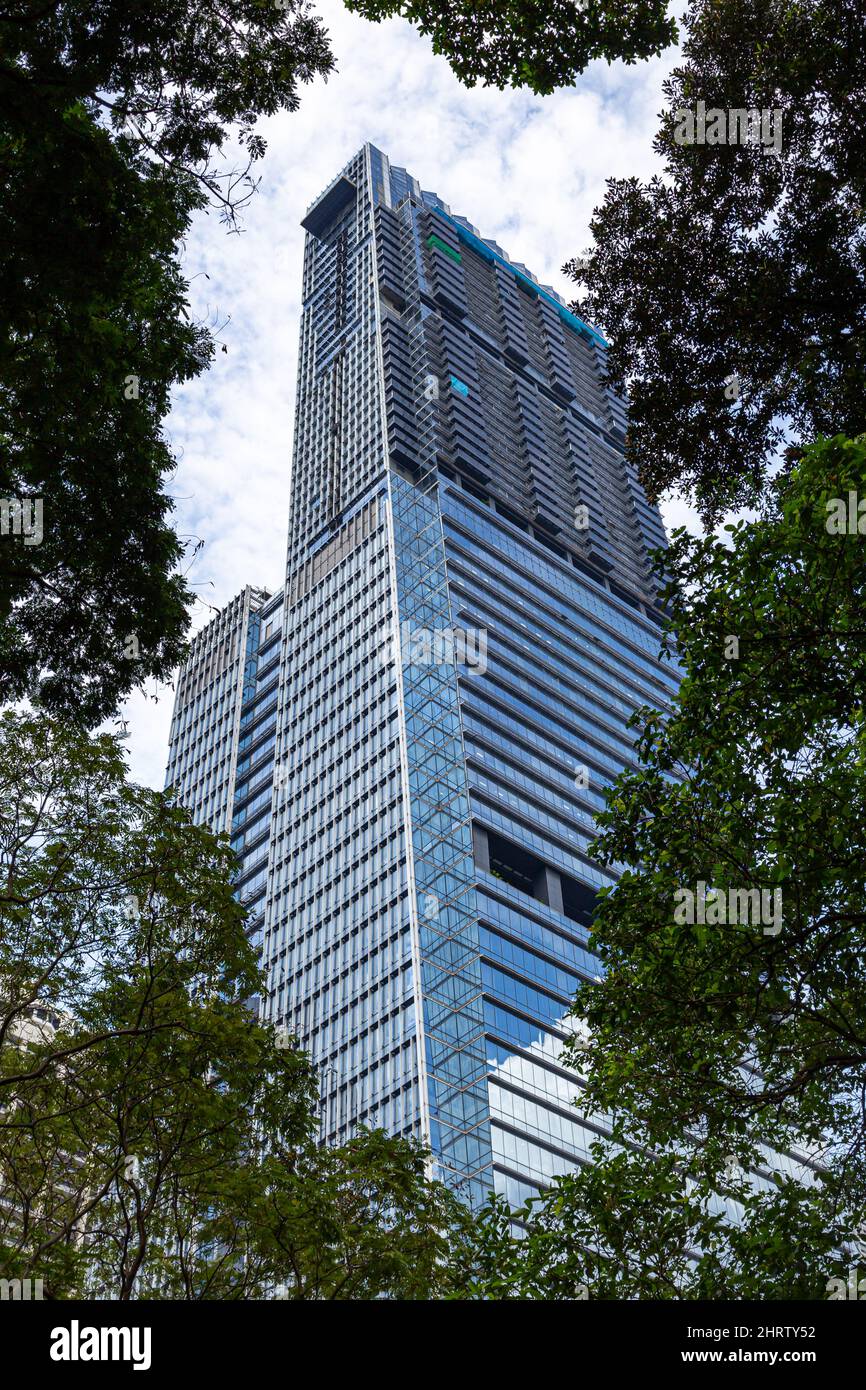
x: 525, y: 170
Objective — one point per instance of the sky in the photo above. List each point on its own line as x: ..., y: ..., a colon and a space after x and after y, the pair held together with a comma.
x: 527, y: 171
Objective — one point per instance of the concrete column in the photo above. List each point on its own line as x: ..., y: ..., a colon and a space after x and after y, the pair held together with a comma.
x: 548, y: 888
x: 481, y: 848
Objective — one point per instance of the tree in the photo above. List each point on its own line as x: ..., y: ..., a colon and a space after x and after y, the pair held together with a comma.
x: 754, y: 783
x: 732, y: 285
x: 360, y: 1220
x: 155, y: 1140
x: 177, y: 79
x: 95, y: 335
x: 727, y: 1036
x: 630, y: 1226
x: 113, y: 125
x: 524, y: 43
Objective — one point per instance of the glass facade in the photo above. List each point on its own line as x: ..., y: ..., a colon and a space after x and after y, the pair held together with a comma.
x: 223, y: 734
x: 205, y: 726
x: 427, y: 715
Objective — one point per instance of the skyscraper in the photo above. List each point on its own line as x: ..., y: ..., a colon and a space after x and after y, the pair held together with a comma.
x: 468, y: 620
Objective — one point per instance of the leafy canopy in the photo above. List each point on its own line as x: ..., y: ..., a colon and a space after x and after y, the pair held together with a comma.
x: 732, y: 286
x: 155, y: 1140
x: 540, y: 44
x: 728, y: 1054
x: 115, y: 127
x: 756, y: 782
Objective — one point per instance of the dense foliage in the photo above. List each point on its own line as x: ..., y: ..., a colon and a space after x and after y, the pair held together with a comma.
x: 155, y: 1140
x: 732, y: 286
x: 114, y: 125
x: 540, y: 44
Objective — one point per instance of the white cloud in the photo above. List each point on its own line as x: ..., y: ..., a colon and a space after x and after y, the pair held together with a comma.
x: 525, y: 170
